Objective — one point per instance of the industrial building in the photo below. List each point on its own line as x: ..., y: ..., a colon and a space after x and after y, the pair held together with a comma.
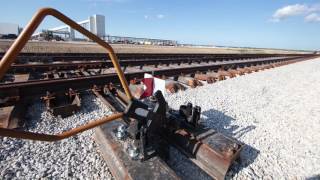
x: 95, y: 24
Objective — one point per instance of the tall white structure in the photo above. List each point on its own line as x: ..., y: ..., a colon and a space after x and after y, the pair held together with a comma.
x: 95, y: 24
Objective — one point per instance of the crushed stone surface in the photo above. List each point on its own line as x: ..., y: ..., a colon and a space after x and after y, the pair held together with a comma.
x: 275, y: 113
x: 73, y: 158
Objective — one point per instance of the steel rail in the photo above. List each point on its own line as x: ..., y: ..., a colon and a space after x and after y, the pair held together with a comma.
x: 123, y: 56
x: 66, y: 65
x: 171, y: 70
x: 10, y: 56
x: 37, y: 87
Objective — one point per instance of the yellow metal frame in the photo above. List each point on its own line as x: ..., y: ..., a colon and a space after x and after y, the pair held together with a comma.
x: 21, y: 41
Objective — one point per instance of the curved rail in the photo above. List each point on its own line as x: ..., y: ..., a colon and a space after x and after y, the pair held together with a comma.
x: 21, y: 41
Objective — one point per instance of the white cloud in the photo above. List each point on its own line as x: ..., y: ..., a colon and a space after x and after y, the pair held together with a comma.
x: 291, y: 10
x: 154, y: 17
x: 314, y: 17
x: 160, y: 16
x: 296, y: 10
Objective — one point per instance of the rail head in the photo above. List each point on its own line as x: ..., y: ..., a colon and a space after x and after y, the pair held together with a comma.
x: 18, y: 45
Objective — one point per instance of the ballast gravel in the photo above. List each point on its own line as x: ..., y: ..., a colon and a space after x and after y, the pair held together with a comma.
x: 275, y: 113
x: 73, y: 158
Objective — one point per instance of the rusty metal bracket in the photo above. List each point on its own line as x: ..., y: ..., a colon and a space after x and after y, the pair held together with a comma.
x: 47, y: 137
x: 21, y: 41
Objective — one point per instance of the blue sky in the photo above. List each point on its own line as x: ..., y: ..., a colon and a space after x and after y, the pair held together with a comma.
x: 251, y: 23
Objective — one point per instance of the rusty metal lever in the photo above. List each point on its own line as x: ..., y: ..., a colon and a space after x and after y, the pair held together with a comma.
x: 47, y: 137
x: 21, y: 41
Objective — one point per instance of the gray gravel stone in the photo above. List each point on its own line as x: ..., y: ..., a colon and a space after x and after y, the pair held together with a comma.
x: 276, y: 113
x: 45, y: 160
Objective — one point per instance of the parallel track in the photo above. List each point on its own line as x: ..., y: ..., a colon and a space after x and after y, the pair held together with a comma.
x: 170, y: 66
x: 41, y: 63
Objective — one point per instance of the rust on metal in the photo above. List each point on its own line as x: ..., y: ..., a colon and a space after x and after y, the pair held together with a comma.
x: 113, y: 95
x: 63, y: 104
x: 114, y: 152
x: 205, y: 77
x: 192, y: 82
x: 211, y: 151
x: 174, y: 86
x: 121, y: 165
x: 217, y: 76
x: 234, y: 72
x: 11, y: 116
x: 40, y: 86
x: 225, y: 74
x: 48, y: 137
x: 5, y: 113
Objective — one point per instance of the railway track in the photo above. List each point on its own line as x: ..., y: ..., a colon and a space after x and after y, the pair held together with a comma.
x: 29, y: 79
x: 135, y: 140
x: 206, y: 156
x: 43, y: 79
x: 41, y: 62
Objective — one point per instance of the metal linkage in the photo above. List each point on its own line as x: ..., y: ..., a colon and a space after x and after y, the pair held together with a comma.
x: 153, y: 128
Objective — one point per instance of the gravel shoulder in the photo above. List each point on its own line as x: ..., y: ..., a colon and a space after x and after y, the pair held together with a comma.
x: 276, y: 113
x: 76, y: 157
